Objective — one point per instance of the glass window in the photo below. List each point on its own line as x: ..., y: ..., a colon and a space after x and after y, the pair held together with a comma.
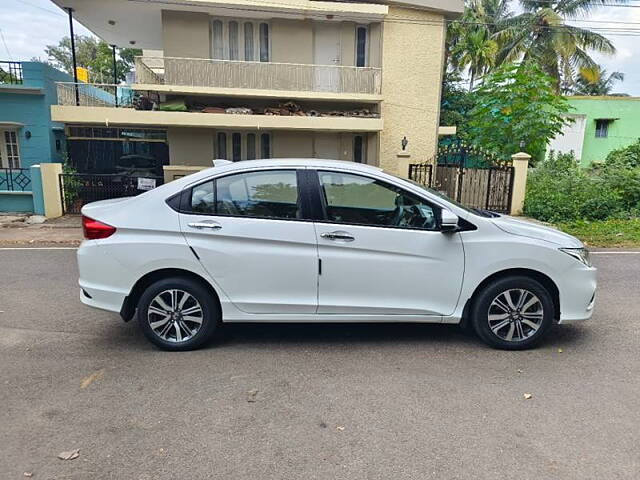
x: 216, y: 34
x: 222, y: 146
x: 361, y: 46
x: 358, y: 149
x: 602, y: 128
x: 233, y: 41
x: 251, y: 146
x: 265, y: 145
x: 269, y: 194
x: 10, y: 139
x: 202, y: 199
x: 236, y: 147
x: 358, y: 200
x: 264, y: 42
x: 248, y: 42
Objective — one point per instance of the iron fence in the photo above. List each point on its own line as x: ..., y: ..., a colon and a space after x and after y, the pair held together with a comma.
x: 78, y: 189
x: 421, y: 173
x: 15, y: 179
x: 95, y: 95
x: 11, y: 73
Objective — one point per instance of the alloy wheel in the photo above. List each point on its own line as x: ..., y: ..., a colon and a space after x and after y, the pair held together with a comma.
x: 515, y: 315
x: 175, y: 315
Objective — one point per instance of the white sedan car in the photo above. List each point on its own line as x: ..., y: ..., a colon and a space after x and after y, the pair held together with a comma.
x: 324, y: 241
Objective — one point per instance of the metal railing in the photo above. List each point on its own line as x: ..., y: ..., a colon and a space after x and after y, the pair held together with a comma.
x: 15, y: 179
x: 203, y: 72
x: 94, y: 95
x: 11, y: 73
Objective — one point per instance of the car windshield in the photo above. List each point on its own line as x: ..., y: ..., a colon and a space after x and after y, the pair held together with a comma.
x: 475, y: 211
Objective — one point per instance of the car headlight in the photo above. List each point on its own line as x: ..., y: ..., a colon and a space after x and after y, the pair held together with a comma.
x: 580, y: 254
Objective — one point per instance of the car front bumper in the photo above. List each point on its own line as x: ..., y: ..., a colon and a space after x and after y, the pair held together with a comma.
x: 578, y: 294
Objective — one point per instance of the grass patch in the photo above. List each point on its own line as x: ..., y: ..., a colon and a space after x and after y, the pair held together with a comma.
x: 605, y: 233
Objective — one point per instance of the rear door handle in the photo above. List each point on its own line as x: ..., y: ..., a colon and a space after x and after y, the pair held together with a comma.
x: 206, y: 224
x: 339, y: 236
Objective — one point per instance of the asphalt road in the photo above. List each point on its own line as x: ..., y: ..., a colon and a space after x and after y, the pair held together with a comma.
x: 332, y: 402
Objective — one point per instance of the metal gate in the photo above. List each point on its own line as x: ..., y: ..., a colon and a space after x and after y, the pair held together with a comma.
x: 469, y: 175
x: 78, y: 189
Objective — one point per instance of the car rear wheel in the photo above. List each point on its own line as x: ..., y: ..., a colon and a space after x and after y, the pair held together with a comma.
x: 513, y: 313
x: 178, y: 314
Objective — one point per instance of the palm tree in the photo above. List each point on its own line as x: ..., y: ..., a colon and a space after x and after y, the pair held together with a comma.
x: 471, y: 40
x: 596, y: 82
x: 540, y: 35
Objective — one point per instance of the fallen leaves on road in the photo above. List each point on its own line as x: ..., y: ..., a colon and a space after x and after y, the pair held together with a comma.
x: 559, y: 350
x: 70, y: 455
x: 28, y: 474
x: 340, y: 428
x: 519, y: 371
x: 252, y: 396
x: 91, y: 378
x: 528, y: 396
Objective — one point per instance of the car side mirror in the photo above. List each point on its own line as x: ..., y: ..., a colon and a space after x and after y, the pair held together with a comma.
x: 448, y: 221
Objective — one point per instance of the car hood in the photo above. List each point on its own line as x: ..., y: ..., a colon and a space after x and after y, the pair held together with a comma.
x: 524, y: 228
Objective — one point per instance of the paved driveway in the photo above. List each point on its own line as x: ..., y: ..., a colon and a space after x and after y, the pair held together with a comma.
x: 332, y: 402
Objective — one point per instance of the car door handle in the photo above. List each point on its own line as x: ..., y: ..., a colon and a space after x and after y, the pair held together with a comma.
x: 338, y: 236
x: 209, y: 225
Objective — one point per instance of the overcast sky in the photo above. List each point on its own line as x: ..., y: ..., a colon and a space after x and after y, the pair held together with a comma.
x: 27, y: 26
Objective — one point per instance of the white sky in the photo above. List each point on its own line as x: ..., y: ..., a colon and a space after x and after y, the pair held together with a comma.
x: 27, y: 26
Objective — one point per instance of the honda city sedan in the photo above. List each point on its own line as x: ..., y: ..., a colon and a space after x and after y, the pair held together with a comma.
x: 324, y: 241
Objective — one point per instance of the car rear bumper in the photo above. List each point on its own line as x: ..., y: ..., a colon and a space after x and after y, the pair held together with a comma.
x: 102, y: 299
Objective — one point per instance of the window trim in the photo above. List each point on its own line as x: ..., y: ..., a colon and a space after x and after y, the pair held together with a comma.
x: 183, y: 206
x: 320, y: 207
x: 5, y: 158
x: 241, y: 37
x: 606, y: 123
x: 366, y: 46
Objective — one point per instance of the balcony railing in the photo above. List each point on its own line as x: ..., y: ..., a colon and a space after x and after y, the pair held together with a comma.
x: 94, y: 95
x: 15, y: 179
x: 199, y: 72
x: 10, y: 73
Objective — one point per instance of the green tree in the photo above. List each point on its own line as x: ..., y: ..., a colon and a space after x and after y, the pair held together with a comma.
x: 94, y: 55
x: 541, y: 35
x: 517, y: 103
x: 594, y: 82
x: 455, y: 105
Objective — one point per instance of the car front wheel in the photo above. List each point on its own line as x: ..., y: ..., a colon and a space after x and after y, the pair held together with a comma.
x: 178, y: 314
x: 513, y: 313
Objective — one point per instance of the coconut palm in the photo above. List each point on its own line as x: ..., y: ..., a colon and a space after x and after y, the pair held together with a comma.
x: 594, y: 82
x: 540, y: 34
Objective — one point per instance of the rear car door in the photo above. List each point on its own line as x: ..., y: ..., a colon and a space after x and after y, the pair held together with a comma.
x: 381, y: 250
x: 250, y: 235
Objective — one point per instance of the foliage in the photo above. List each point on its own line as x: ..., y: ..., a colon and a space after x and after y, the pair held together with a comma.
x: 625, y: 157
x: 94, y: 55
x: 456, y: 103
x: 515, y: 104
x: 605, y: 233
x: 558, y: 190
x: 595, y: 82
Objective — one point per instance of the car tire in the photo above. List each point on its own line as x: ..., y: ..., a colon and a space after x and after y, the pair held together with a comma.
x: 192, y: 314
x: 500, y: 325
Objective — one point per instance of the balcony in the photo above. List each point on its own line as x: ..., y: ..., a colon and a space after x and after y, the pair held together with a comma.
x: 258, y: 79
x: 11, y: 73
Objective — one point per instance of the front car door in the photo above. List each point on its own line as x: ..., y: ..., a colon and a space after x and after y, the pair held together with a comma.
x: 249, y: 232
x: 381, y: 250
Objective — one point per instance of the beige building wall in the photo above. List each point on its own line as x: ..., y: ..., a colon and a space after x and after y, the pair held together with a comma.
x: 186, y: 34
x: 292, y: 144
x: 190, y: 146
x: 291, y: 41
x: 412, y: 64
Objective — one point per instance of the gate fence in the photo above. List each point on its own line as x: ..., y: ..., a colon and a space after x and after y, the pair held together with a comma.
x: 78, y: 189
x: 469, y: 175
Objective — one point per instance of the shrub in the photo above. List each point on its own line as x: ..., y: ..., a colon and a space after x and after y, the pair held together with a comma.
x: 627, y: 157
x: 558, y: 190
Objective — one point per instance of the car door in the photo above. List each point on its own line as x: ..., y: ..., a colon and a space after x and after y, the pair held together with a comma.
x: 381, y: 250
x: 248, y: 231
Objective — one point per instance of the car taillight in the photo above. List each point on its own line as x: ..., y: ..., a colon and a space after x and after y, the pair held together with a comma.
x: 94, y: 229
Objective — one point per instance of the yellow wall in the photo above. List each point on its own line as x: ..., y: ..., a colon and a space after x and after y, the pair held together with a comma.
x: 190, y: 146
x: 412, y: 63
x: 186, y: 34
x: 291, y: 41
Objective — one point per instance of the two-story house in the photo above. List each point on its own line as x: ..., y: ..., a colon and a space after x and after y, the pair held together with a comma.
x: 246, y: 79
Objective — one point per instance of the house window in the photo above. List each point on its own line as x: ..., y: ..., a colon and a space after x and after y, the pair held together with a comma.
x: 265, y: 145
x: 248, y: 42
x: 222, y: 146
x: 361, y: 46
x: 358, y: 149
x: 602, y: 128
x: 233, y: 41
x: 216, y: 36
x: 236, y: 147
x: 264, y: 42
x: 9, y: 153
x: 251, y: 146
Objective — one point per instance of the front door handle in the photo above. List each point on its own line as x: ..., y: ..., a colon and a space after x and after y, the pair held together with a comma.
x: 206, y: 224
x: 338, y: 236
